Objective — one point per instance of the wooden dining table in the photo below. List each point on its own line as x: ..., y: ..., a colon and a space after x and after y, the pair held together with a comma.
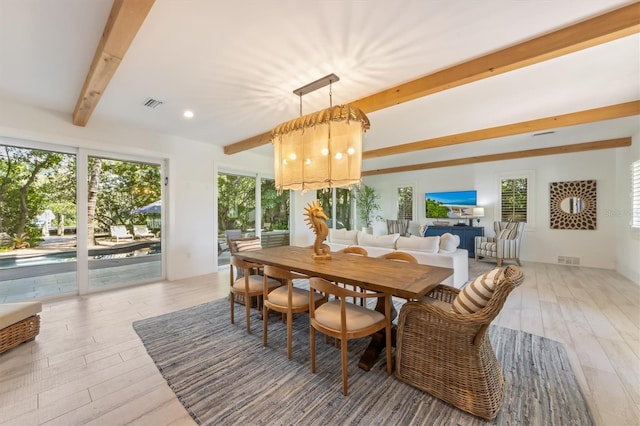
x: 401, y: 279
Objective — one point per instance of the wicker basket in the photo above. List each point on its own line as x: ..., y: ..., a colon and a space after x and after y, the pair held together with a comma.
x: 20, y: 332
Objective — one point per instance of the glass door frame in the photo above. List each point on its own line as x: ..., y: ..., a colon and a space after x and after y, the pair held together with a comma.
x: 83, y: 202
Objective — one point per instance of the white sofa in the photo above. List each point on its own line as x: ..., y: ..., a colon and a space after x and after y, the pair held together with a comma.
x: 435, y: 251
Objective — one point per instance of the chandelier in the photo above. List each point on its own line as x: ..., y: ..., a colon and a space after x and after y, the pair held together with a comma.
x: 319, y: 150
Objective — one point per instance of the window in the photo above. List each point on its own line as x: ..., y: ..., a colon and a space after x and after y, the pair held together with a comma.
x: 275, y: 207
x: 405, y: 202
x: 342, y: 206
x: 514, y: 199
x: 635, y: 194
x: 236, y: 203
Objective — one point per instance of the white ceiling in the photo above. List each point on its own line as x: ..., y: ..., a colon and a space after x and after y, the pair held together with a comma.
x: 236, y: 63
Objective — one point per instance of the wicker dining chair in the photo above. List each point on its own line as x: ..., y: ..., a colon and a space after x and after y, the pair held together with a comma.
x: 449, y: 354
x: 343, y: 320
x: 249, y: 285
x: 287, y: 300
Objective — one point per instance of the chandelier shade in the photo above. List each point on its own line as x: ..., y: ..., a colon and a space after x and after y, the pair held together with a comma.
x: 320, y: 150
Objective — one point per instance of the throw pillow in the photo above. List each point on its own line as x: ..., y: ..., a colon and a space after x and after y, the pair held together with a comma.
x: 477, y: 293
x: 449, y: 243
x: 253, y: 244
x: 424, y: 244
x: 386, y: 241
x: 509, y: 232
x: 342, y: 236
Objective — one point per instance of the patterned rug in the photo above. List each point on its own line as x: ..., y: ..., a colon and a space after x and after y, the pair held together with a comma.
x: 224, y: 376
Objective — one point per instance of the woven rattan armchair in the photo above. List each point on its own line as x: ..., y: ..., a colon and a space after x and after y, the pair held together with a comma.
x: 448, y: 354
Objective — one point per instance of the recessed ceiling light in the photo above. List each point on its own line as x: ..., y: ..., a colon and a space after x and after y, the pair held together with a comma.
x: 188, y: 114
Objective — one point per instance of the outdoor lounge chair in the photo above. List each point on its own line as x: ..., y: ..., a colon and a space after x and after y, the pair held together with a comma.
x: 141, y: 231
x: 119, y: 232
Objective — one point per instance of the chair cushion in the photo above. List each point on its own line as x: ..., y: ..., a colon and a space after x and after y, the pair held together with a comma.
x: 477, y: 293
x: 437, y: 303
x: 358, y: 317
x: 385, y: 241
x: 255, y: 283
x: 510, y: 232
x: 11, y: 313
x: 424, y: 244
x: 449, y: 243
x: 342, y: 236
x: 487, y: 247
x: 247, y: 245
x: 299, y: 297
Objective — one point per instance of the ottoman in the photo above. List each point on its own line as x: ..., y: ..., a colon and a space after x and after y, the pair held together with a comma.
x: 19, y: 323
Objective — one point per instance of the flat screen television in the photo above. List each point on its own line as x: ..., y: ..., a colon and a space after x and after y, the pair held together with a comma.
x: 449, y: 204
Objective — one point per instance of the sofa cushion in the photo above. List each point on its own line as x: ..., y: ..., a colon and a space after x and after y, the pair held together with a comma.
x: 376, y: 251
x: 385, y: 241
x: 477, y: 293
x: 425, y: 244
x: 249, y: 244
x: 449, y: 243
x: 342, y: 236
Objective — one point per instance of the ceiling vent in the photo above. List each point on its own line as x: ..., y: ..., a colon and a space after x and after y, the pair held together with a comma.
x: 550, y: 132
x: 152, y: 103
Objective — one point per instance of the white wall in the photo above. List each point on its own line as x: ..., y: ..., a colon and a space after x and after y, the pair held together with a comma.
x: 627, y: 239
x: 190, y: 244
x: 598, y: 248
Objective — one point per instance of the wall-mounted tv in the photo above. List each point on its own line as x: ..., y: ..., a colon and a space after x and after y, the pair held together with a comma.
x: 449, y: 204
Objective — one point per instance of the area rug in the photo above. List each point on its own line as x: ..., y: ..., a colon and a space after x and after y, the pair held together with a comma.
x: 224, y: 376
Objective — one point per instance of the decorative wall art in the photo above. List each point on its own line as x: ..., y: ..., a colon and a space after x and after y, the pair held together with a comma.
x: 572, y: 205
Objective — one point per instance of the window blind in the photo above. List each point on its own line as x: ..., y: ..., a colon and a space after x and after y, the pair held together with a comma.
x: 513, y: 200
x: 405, y: 202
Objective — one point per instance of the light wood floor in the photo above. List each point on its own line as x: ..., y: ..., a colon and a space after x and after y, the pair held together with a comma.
x: 88, y: 366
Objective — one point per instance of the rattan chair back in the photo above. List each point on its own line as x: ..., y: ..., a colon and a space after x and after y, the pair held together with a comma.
x: 449, y: 355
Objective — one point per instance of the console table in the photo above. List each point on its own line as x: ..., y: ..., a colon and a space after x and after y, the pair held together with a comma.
x: 467, y: 235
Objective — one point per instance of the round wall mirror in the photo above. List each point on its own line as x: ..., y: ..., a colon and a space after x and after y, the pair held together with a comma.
x: 572, y: 205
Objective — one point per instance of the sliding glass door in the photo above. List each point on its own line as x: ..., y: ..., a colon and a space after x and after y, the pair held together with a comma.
x: 124, y: 222
x: 72, y: 223
x: 38, y: 230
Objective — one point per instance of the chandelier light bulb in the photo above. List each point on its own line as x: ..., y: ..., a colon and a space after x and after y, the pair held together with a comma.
x: 293, y: 156
x: 307, y: 161
x: 338, y: 156
x: 351, y: 151
x: 325, y: 151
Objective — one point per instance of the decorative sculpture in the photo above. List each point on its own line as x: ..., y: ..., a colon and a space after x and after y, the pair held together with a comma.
x: 316, y: 220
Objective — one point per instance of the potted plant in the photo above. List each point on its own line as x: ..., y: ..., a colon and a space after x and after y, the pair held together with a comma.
x: 367, y: 203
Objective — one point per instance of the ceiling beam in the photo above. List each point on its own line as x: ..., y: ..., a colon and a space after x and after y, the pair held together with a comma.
x: 556, y: 150
x: 125, y: 19
x: 600, y: 29
x: 554, y: 122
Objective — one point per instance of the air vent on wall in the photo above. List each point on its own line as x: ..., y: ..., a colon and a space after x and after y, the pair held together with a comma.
x: 152, y: 103
x: 569, y: 260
